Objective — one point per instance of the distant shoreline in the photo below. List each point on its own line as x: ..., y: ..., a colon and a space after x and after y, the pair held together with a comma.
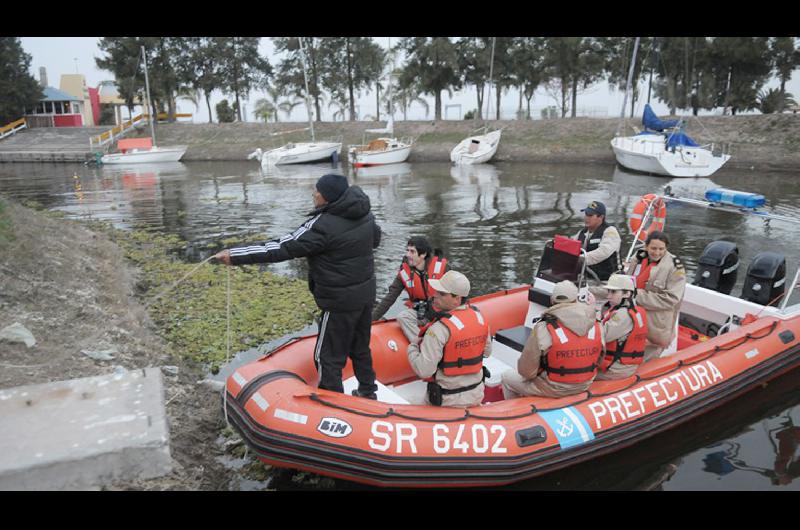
x: 762, y: 142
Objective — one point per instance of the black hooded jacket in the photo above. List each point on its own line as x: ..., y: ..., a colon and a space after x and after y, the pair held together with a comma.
x: 338, y: 241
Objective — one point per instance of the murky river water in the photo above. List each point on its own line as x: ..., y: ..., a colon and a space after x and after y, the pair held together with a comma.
x: 492, y: 221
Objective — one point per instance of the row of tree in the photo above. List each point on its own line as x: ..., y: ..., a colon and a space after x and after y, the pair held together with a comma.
x: 685, y: 72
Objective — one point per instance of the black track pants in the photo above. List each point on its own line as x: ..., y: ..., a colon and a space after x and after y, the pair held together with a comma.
x: 343, y: 335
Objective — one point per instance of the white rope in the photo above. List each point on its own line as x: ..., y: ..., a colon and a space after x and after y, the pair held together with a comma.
x: 174, y: 285
x: 228, y: 319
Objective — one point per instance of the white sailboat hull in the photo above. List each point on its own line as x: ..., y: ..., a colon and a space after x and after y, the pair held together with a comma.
x: 155, y: 154
x: 476, y: 149
x: 394, y: 153
x: 300, y: 153
x: 648, y: 154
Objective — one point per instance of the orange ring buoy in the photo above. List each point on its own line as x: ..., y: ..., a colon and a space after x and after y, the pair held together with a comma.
x: 658, y: 213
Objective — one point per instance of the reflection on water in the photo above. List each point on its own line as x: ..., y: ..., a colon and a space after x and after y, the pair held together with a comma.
x: 492, y: 221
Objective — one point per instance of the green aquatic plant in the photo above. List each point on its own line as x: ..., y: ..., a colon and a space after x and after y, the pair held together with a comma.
x: 191, y: 313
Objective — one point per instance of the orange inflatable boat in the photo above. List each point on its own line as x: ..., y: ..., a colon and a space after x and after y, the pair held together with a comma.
x: 726, y: 346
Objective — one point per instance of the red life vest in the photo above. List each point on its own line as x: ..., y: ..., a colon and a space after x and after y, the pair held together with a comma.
x: 417, y: 289
x: 572, y: 358
x: 642, y: 272
x: 463, y: 353
x: 631, y: 350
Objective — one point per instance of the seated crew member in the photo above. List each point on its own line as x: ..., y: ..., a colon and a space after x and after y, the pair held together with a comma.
x: 600, y: 240
x: 563, y: 352
x: 624, y: 329
x: 452, y: 347
x: 660, y: 284
x: 420, y: 264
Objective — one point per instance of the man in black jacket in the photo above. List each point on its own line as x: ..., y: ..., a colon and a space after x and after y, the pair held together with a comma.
x: 338, y: 241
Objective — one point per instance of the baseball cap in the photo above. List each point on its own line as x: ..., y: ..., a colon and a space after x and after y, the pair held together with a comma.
x: 595, y: 208
x: 452, y: 282
x: 620, y: 282
x: 565, y: 291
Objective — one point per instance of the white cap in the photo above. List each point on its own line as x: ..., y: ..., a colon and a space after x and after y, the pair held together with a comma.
x: 565, y: 291
x: 620, y: 282
x: 452, y: 282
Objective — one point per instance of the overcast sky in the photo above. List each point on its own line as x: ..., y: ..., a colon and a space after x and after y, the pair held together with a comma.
x: 69, y: 55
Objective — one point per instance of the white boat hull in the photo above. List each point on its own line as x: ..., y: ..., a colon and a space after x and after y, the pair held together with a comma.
x: 156, y: 154
x: 486, y: 148
x: 648, y: 154
x: 394, y: 153
x: 300, y: 153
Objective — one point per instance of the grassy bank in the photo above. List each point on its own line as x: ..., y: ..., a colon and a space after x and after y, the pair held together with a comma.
x: 765, y: 142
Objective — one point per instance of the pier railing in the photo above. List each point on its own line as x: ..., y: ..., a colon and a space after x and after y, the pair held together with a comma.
x: 13, y: 127
x: 121, y: 130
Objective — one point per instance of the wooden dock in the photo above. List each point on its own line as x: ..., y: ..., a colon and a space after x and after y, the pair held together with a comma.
x: 61, y: 144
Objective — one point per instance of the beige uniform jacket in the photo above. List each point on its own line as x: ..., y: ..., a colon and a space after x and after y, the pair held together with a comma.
x: 579, y: 318
x: 425, y: 357
x: 661, y: 296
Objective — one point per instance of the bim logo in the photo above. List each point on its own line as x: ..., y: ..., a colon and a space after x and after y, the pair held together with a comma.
x: 334, y: 427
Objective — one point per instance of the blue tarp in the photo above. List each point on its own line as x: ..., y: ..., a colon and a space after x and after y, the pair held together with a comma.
x: 652, y: 122
x: 680, y: 138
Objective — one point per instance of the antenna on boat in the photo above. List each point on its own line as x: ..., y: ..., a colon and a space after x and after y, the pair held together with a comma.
x: 627, y: 86
x: 305, y: 78
x: 147, y: 92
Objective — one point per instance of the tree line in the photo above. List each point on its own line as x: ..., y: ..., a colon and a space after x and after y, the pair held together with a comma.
x: 683, y: 72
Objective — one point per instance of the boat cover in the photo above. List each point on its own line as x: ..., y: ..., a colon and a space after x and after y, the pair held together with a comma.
x: 680, y: 138
x: 652, y: 122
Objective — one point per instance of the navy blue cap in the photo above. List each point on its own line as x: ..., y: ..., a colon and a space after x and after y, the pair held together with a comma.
x: 595, y: 208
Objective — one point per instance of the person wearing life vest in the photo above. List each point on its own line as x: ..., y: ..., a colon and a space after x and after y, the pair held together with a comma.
x: 600, y: 240
x: 420, y: 264
x: 660, y: 284
x: 624, y: 328
x: 452, y: 347
x: 562, y: 354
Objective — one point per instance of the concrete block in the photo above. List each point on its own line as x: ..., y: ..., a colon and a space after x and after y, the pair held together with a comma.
x: 84, y: 433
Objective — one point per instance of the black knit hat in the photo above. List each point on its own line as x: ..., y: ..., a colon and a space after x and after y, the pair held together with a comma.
x: 331, y: 186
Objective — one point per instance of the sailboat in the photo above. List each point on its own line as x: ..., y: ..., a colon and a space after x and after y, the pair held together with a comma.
x: 481, y: 148
x: 299, y: 152
x: 144, y: 150
x: 384, y: 149
x: 663, y: 147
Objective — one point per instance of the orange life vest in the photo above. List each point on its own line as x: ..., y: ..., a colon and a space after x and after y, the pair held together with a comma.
x: 463, y: 353
x: 631, y: 350
x: 417, y: 289
x: 642, y: 272
x: 572, y: 358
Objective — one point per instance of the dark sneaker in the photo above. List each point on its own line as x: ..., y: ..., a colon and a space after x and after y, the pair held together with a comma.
x: 373, y: 395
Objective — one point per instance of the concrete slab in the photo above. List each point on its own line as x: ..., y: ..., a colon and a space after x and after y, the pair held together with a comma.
x: 84, y: 433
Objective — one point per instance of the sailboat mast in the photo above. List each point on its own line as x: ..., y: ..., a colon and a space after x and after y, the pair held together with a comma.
x: 147, y: 92
x: 628, y: 86
x: 305, y: 77
x: 391, y: 72
x: 491, y: 73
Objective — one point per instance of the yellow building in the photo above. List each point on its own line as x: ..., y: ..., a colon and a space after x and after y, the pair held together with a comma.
x: 75, y: 85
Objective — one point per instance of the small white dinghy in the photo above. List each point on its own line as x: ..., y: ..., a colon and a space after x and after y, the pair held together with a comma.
x: 476, y: 149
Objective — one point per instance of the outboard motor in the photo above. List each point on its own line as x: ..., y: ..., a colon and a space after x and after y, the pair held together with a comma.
x: 718, y: 267
x: 766, y: 278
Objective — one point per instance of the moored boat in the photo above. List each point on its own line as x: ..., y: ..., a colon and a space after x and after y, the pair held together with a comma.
x: 727, y: 345
x: 476, y: 149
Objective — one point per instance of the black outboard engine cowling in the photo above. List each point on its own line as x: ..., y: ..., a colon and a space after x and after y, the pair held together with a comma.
x: 718, y: 267
x: 766, y: 278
